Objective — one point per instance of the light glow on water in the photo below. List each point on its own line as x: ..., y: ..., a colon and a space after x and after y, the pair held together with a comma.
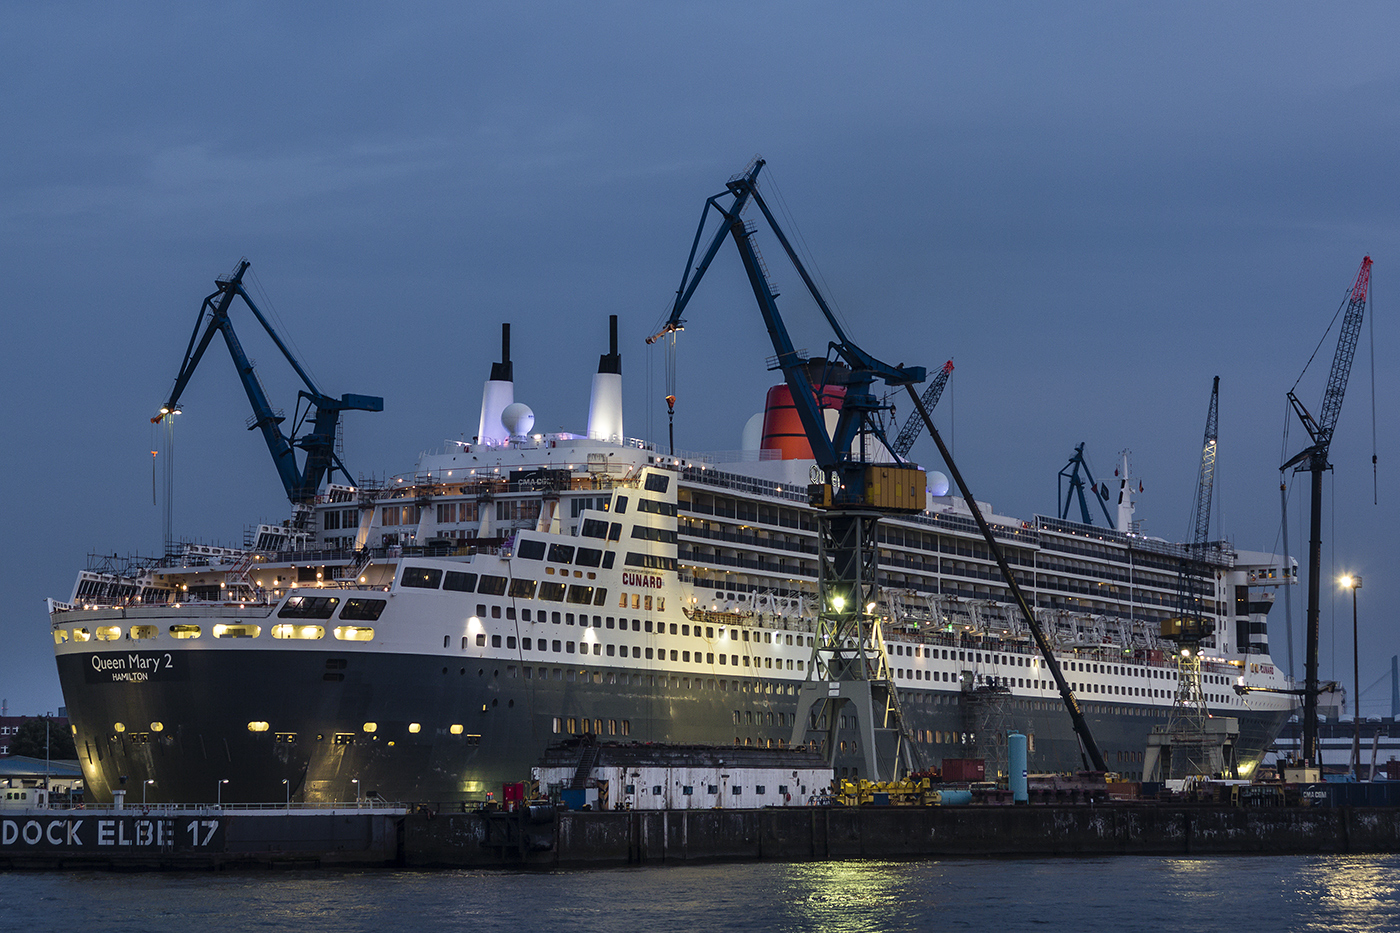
x: 1183, y: 895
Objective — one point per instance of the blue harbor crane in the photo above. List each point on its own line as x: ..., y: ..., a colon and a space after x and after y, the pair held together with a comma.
x: 320, y: 410
x: 1313, y: 459
x: 1069, y: 474
x: 849, y: 665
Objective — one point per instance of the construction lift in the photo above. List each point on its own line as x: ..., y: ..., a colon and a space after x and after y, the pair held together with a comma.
x: 849, y: 667
x: 320, y: 411
x: 1313, y: 459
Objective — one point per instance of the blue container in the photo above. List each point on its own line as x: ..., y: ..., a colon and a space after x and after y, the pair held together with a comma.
x: 573, y: 799
x: 954, y: 798
x: 1016, y: 747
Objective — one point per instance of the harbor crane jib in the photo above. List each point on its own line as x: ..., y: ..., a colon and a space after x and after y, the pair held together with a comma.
x: 320, y: 410
x: 1069, y: 474
x: 849, y: 667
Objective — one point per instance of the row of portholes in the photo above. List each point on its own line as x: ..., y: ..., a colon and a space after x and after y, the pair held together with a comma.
x: 221, y: 630
x: 121, y: 727
x: 369, y: 727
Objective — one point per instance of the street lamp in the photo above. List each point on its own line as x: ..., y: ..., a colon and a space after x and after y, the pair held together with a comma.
x: 288, y: 785
x: 48, y: 735
x: 356, y: 782
x: 145, y: 784
x: 1352, y: 582
x: 219, y: 794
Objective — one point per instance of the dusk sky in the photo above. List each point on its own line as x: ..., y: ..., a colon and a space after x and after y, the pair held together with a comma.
x: 1092, y: 208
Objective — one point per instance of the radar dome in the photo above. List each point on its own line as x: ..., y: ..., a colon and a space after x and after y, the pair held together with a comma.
x: 937, y: 483
x: 518, y: 418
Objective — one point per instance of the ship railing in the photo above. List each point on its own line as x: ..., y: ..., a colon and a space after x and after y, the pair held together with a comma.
x: 332, y: 806
x: 1026, y: 534
x: 742, y: 483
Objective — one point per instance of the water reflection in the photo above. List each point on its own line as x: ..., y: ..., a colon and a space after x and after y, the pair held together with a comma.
x: 1277, y: 894
x: 1350, y: 893
x: 859, y: 897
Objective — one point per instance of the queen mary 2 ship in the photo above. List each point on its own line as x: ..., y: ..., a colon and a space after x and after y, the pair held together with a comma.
x: 426, y: 637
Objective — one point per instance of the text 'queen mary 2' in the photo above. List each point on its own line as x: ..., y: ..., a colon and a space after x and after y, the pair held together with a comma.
x: 425, y: 638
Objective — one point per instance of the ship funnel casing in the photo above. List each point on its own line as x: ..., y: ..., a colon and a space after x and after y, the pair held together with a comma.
x: 782, y: 425
x: 605, y: 404
x: 605, y: 408
x: 496, y: 397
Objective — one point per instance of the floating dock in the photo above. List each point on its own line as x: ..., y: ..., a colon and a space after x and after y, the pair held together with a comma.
x: 541, y: 837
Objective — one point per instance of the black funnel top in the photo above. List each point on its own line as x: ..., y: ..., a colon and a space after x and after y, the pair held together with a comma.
x: 502, y: 371
x: 611, y: 362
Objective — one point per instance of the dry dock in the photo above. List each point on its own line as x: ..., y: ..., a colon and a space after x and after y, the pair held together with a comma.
x: 545, y: 838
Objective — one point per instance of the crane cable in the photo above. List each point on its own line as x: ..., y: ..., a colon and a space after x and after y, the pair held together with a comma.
x: 1371, y: 323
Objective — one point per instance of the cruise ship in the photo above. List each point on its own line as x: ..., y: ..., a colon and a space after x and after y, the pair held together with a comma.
x: 425, y: 637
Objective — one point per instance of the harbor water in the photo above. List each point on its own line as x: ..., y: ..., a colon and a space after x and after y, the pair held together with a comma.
x: 1278, y: 894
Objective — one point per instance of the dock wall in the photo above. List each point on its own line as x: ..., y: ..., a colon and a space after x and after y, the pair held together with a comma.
x: 544, y: 838
x: 585, y: 839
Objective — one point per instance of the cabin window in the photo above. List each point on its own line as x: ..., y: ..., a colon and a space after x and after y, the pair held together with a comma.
x: 237, y: 631
x: 306, y: 632
x: 428, y: 578
x: 308, y: 607
x: 460, y: 582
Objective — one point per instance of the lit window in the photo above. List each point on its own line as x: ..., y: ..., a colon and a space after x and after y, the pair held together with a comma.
x: 455, y: 729
x: 354, y: 633
x: 118, y: 727
x: 184, y: 631
x: 60, y: 636
x: 81, y: 634
x: 109, y: 632
x: 371, y: 727
x: 237, y: 631
x: 288, y: 630
x: 415, y: 728
x: 257, y: 727
x: 157, y: 727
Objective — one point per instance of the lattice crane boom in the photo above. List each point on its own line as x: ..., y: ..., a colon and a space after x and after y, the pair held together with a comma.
x: 1313, y: 460
x: 1205, y: 482
x: 915, y: 425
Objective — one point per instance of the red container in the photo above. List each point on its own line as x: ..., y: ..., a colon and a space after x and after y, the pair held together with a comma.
x: 512, y: 795
x: 964, y: 769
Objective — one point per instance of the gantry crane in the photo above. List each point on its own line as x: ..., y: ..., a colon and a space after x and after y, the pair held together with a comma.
x: 914, y: 425
x: 323, y: 411
x: 1313, y: 459
x: 849, y: 667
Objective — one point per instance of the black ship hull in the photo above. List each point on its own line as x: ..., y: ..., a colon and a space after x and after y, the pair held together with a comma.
x: 317, y: 726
